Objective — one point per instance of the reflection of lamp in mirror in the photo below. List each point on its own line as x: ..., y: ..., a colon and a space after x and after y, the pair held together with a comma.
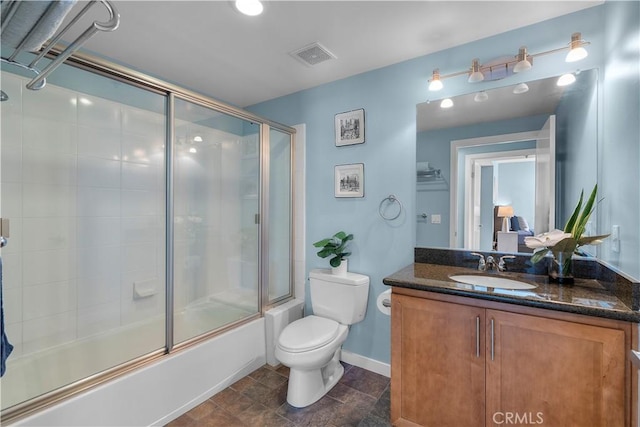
x: 505, y: 212
x: 566, y: 79
x: 249, y: 7
x: 481, y: 96
x: 446, y: 103
x: 521, y: 88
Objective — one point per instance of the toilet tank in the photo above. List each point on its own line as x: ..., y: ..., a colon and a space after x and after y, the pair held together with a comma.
x: 341, y: 298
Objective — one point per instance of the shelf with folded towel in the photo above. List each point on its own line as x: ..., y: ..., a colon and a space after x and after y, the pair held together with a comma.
x: 430, y: 179
x: 32, y: 26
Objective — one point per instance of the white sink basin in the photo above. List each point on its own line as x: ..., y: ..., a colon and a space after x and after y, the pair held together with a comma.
x: 491, y: 281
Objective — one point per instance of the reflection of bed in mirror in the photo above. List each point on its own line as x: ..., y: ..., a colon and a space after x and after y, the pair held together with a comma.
x: 511, y: 240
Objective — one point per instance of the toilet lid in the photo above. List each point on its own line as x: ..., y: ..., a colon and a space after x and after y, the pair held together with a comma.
x: 308, y: 333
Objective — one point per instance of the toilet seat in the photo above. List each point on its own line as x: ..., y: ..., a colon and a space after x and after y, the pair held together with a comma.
x: 308, y: 333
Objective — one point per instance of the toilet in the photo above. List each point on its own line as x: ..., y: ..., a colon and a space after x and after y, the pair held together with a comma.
x: 311, y: 346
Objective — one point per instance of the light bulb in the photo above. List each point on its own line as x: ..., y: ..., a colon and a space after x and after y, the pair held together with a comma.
x: 576, y: 54
x: 523, y: 64
x: 249, y: 7
x: 566, y: 79
x: 481, y: 96
x: 521, y: 88
x: 476, y: 75
x: 436, y: 83
x: 446, y: 103
x: 577, y: 51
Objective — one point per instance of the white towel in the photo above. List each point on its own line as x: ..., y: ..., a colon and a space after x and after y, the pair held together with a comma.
x: 24, y: 22
x: 422, y: 166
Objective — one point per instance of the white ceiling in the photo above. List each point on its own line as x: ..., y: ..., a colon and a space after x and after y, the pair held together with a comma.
x: 208, y: 47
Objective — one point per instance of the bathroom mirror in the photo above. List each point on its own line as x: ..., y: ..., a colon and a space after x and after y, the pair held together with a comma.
x: 506, y: 144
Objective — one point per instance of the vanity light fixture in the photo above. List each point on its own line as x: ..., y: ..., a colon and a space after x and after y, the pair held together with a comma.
x: 436, y: 83
x: 481, y: 96
x: 521, y: 88
x: 476, y: 75
x: 446, y: 103
x: 197, y: 138
x: 521, y: 62
x: 249, y: 7
x: 576, y: 48
x: 566, y: 79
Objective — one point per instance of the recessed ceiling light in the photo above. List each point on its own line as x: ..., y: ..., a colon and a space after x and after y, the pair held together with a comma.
x: 249, y: 7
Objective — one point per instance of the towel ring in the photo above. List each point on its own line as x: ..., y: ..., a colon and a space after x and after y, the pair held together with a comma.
x: 391, y: 199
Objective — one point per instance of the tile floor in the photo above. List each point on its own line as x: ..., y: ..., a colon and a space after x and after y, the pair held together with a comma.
x: 361, y: 398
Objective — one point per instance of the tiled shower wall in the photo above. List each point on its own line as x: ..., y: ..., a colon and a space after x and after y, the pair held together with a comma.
x: 82, y: 183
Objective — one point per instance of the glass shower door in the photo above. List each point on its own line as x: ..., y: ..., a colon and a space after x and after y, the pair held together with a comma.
x: 83, y: 274
x: 280, y: 216
x: 216, y: 205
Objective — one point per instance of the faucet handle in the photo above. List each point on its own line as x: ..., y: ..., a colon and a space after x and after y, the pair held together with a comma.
x: 502, y: 266
x: 481, y: 261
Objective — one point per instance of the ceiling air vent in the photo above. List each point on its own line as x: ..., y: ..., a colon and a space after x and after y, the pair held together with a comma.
x: 312, y: 54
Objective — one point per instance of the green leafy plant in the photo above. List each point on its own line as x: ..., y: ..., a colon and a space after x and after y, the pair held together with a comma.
x: 571, y: 238
x: 335, y: 246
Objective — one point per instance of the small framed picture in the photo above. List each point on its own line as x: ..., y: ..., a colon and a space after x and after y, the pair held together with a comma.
x: 349, y: 180
x: 350, y: 128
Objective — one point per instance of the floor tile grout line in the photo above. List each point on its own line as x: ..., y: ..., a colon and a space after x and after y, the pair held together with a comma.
x: 363, y: 378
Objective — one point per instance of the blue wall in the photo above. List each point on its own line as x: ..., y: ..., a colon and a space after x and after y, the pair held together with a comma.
x: 517, y: 187
x: 620, y: 150
x: 389, y: 96
x: 576, y: 133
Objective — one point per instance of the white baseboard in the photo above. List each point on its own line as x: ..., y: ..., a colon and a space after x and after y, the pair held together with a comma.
x: 366, y: 363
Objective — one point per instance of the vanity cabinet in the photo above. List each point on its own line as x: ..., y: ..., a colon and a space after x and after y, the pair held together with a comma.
x: 458, y: 361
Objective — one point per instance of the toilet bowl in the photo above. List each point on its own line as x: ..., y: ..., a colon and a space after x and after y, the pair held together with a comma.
x: 311, y: 346
x: 313, y: 358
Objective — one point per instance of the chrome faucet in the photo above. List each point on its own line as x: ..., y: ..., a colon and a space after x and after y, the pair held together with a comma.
x: 482, y: 265
x: 490, y: 263
x: 502, y: 265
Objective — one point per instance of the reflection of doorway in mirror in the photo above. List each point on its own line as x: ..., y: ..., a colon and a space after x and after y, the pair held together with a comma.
x: 504, y: 178
x: 465, y: 211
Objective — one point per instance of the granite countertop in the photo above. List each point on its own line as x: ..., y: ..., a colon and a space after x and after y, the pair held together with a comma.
x: 585, y: 296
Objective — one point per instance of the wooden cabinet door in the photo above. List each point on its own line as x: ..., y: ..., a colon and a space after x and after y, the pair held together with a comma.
x: 437, y: 363
x: 552, y: 372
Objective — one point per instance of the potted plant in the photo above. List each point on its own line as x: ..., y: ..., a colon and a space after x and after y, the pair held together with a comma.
x: 562, y: 244
x: 335, y: 246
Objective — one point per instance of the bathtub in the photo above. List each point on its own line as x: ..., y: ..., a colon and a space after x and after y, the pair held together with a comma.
x: 162, y: 391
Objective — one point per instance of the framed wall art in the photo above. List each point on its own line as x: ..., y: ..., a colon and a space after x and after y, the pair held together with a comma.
x: 349, y: 128
x: 349, y: 180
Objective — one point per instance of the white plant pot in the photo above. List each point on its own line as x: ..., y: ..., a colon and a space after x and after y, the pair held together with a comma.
x: 340, y: 270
